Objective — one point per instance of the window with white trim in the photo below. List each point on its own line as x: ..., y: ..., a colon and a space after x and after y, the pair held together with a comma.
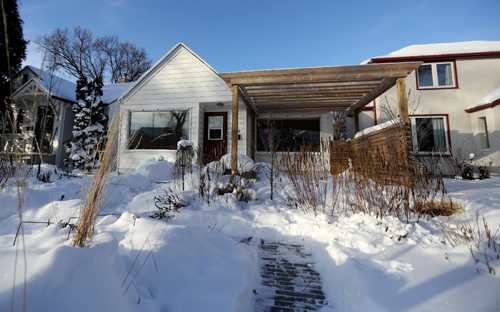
x: 436, y: 75
x: 429, y: 134
x: 158, y: 130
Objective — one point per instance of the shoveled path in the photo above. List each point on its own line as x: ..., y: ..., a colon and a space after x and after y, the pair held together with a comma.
x: 289, y: 281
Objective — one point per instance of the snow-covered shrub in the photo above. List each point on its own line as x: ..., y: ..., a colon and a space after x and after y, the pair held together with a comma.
x: 237, y: 185
x: 167, y: 205
x: 483, y: 172
x: 44, y: 176
x: 90, y: 125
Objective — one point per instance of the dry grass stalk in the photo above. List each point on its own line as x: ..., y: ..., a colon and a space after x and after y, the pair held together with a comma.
x: 94, y: 202
x: 385, y: 180
x: 308, y: 172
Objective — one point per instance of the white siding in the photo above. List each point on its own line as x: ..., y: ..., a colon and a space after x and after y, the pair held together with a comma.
x: 182, y: 81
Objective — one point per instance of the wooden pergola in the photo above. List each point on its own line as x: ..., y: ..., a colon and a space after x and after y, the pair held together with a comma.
x: 315, y: 90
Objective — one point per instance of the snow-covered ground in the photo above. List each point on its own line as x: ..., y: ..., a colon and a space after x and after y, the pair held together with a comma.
x: 196, y: 263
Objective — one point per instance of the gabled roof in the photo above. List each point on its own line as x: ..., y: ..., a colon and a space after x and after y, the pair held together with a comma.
x: 53, y: 84
x: 436, y: 51
x: 64, y: 89
x: 159, y: 64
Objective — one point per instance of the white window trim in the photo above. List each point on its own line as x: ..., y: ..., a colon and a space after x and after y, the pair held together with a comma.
x: 435, y: 76
x: 414, y: 137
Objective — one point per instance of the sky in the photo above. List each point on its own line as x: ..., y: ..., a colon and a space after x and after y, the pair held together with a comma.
x: 258, y: 34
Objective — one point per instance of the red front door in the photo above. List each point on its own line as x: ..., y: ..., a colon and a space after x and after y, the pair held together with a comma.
x: 215, y: 136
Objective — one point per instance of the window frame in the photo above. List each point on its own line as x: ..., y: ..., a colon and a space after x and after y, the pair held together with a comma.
x: 435, y: 78
x: 188, y: 121
x: 483, y: 129
x: 414, y: 142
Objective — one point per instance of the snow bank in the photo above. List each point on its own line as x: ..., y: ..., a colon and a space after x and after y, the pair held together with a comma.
x: 376, y: 128
x: 245, y: 163
x: 195, y: 262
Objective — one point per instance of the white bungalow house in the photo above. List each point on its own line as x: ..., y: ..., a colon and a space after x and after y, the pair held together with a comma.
x: 454, y: 99
x: 183, y: 97
x: 43, y: 104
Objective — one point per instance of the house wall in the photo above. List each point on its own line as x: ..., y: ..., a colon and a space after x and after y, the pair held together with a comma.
x: 475, y: 77
x: 181, y: 81
x: 487, y: 156
x: 65, y: 132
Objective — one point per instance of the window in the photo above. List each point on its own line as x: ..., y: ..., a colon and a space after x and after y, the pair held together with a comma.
x: 158, y: 130
x: 429, y: 134
x: 215, y: 127
x: 436, y: 75
x: 287, y: 134
x: 483, y: 133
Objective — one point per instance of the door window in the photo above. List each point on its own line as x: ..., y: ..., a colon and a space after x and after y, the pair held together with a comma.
x: 215, y: 127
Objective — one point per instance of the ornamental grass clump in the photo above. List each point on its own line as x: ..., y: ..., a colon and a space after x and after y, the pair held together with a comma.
x: 94, y: 201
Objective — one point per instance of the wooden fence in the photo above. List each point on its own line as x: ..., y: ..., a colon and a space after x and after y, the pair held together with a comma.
x: 382, y: 155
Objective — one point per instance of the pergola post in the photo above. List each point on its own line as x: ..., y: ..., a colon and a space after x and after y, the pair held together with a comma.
x: 234, y: 128
x: 402, y: 101
x: 356, y: 121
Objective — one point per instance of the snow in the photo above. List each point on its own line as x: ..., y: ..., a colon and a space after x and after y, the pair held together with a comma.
x: 196, y: 263
x: 446, y: 48
x: 376, y: 128
x: 184, y: 143
x: 65, y: 89
x: 487, y: 99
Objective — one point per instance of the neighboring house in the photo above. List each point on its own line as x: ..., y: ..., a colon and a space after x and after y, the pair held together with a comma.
x: 43, y: 103
x: 454, y: 99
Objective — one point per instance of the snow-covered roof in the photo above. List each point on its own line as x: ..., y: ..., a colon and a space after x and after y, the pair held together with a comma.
x: 488, y: 98
x: 65, y: 89
x: 452, y: 48
x: 54, y: 85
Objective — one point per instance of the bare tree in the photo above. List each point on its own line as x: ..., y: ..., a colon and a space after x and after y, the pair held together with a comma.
x: 80, y: 54
x: 270, y: 138
x: 74, y: 51
x: 125, y: 59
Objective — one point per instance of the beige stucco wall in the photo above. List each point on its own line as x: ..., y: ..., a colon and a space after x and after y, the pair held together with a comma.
x: 476, y: 78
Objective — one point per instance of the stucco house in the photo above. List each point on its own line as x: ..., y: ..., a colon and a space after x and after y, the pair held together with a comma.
x: 43, y: 104
x: 454, y: 99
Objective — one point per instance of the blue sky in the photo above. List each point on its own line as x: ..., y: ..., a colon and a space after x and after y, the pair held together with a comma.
x: 242, y: 35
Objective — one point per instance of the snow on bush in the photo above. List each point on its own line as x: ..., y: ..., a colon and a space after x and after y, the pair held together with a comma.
x: 90, y: 125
